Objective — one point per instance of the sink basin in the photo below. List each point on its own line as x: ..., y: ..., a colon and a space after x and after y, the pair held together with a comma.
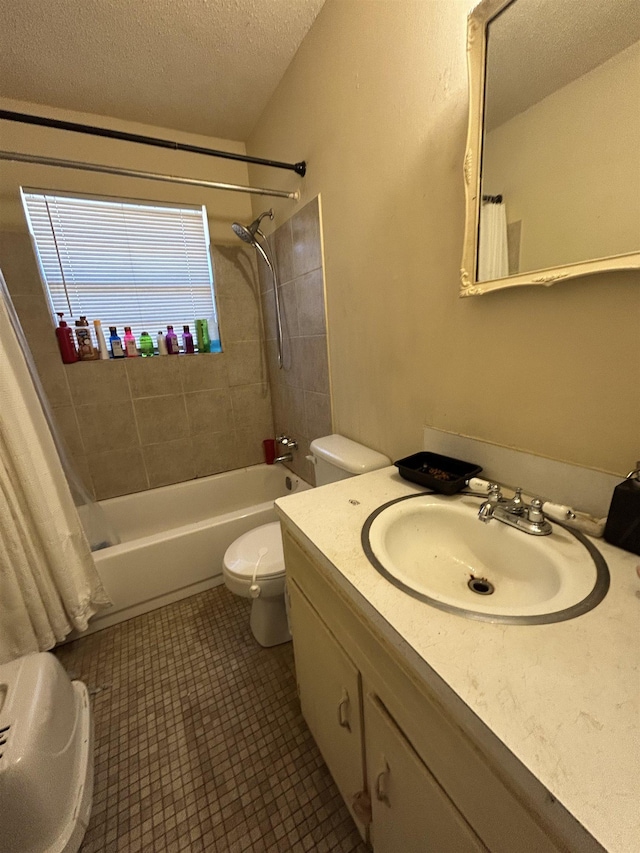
x: 436, y: 549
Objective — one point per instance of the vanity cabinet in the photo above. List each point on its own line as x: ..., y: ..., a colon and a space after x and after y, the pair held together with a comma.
x: 410, y: 775
x: 330, y: 697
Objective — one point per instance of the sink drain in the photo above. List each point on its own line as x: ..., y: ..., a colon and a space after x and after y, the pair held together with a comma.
x: 481, y: 586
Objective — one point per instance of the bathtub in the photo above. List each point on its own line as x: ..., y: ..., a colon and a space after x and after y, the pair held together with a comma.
x: 173, y: 538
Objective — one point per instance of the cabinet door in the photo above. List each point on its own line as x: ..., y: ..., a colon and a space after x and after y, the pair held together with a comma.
x: 330, y: 696
x: 411, y: 812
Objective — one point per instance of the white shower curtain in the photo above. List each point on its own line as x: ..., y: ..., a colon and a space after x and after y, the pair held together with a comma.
x: 48, y: 581
x: 493, y: 260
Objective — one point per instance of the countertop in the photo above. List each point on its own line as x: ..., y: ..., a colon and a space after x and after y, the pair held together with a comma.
x: 563, y: 697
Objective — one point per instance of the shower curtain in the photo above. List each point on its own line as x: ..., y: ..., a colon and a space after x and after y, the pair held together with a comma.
x: 48, y: 581
x: 493, y: 260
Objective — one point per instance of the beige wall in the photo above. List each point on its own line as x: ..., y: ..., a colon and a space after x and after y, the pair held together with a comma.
x: 574, y: 181
x: 376, y: 102
x: 222, y: 207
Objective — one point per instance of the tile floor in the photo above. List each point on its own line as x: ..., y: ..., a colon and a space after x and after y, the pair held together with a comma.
x: 199, y: 740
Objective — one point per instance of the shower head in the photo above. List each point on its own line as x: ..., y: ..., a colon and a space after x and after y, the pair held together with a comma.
x: 247, y: 233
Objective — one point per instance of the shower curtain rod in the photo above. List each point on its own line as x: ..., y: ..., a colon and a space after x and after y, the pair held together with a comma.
x: 134, y: 173
x: 42, y: 121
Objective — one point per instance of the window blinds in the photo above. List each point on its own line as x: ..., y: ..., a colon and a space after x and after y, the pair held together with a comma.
x: 142, y: 265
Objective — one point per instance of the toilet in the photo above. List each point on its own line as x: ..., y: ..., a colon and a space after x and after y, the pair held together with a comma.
x: 253, y: 565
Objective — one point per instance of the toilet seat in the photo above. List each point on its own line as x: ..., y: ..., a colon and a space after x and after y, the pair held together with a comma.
x: 241, y: 556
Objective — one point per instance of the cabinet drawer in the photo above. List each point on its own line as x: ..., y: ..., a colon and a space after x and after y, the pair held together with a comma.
x: 330, y: 697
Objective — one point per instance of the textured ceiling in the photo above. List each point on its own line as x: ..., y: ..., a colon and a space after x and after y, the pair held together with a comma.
x: 537, y: 46
x: 203, y: 66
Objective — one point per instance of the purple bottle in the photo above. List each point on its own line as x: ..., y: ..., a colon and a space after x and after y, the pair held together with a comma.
x: 187, y: 340
x: 173, y: 347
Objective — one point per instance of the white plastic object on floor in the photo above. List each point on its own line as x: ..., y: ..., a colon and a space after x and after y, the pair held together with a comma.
x: 46, y: 757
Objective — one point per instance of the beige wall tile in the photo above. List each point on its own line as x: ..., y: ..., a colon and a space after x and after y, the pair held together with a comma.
x: 209, y: 411
x: 106, y: 427
x: 283, y: 242
x: 317, y: 408
x: 161, y: 419
x: 152, y: 377
x: 293, y: 372
x: 65, y: 420
x: 247, y: 363
x: 252, y: 406
x: 169, y: 462
x: 291, y: 414
x: 249, y: 450
x: 118, y: 472
x: 54, y: 380
x: 239, y: 317
x: 307, y: 249
x: 34, y: 314
x: 81, y: 468
x: 310, y: 303
x: 288, y: 309
x: 237, y: 293
x: 98, y: 382
x: 203, y: 372
x: 214, y: 452
x: 18, y: 264
x: 300, y: 465
x: 315, y: 372
x: 268, y: 315
x: 264, y: 273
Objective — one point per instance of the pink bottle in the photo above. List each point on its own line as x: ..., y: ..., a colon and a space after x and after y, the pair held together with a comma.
x: 173, y: 347
x: 129, y: 342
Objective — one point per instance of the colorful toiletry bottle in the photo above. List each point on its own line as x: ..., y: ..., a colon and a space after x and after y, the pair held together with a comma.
x: 146, y: 345
x: 117, y: 350
x: 102, y: 344
x: 202, y: 335
x: 86, y: 349
x: 173, y: 347
x: 64, y: 334
x: 187, y: 340
x: 129, y: 341
x: 162, y: 343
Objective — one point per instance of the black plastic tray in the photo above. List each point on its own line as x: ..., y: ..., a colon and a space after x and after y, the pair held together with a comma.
x: 441, y: 473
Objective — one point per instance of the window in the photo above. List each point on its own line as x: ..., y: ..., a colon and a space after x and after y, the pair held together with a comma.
x: 126, y: 263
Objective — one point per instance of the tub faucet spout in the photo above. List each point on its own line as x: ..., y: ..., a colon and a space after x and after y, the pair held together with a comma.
x: 286, y: 457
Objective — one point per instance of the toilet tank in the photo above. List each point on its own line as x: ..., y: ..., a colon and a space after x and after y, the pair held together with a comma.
x: 336, y: 458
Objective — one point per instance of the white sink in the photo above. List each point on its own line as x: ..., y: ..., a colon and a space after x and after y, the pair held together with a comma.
x: 436, y: 549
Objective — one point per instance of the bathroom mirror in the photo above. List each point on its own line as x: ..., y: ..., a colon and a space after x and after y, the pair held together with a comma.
x: 551, y: 170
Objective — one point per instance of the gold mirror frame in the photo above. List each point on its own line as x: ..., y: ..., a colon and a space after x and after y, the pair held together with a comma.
x: 477, y: 23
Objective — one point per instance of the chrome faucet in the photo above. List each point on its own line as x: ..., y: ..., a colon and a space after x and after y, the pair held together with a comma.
x: 286, y: 457
x: 515, y: 512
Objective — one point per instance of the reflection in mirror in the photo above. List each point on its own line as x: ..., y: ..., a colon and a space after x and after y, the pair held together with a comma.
x: 557, y: 86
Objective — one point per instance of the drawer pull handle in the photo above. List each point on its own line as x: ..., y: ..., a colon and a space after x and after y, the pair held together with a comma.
x: 343, y: 711
x: 381, y: 785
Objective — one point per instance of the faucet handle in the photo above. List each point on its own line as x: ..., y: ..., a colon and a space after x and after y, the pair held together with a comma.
x: 495, y: 495
x: 286, y: 441
x: 535, y: 512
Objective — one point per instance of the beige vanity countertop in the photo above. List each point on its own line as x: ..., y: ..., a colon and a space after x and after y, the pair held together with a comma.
x: 563, y: 698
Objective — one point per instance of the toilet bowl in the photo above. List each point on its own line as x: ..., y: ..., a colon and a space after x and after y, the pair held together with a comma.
x: 253, y: 567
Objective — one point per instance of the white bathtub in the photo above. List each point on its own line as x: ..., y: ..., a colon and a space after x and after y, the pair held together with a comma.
x: 173, y: 538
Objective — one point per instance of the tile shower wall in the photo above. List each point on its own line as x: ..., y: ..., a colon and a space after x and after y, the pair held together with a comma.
x: 300, y: 391
x: 134, y: 424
